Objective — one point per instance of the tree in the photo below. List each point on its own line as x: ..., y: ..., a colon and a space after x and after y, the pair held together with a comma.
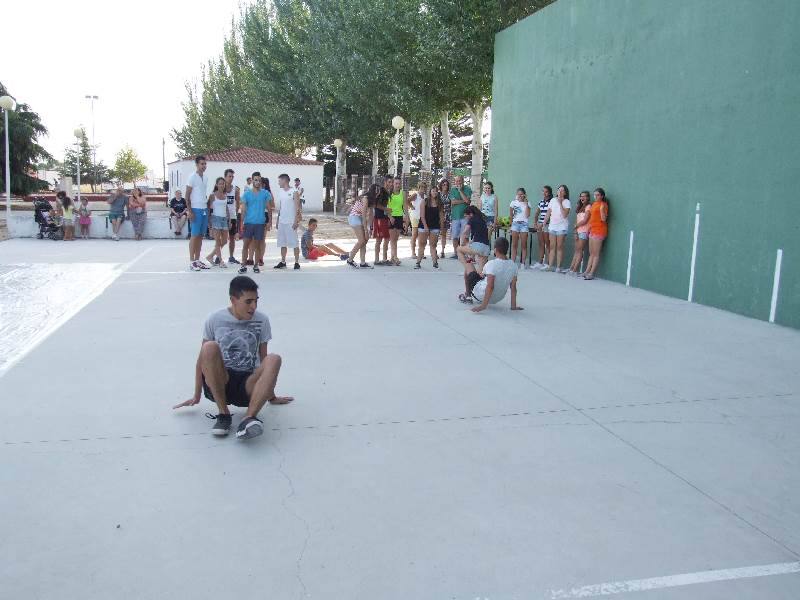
x: 128, y: 167
x: 25, y: 127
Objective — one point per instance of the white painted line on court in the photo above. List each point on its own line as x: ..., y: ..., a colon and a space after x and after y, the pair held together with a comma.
x: 630, y: 259
x: 670, y: 581
x: 694, y: 251
x: 776, y: 284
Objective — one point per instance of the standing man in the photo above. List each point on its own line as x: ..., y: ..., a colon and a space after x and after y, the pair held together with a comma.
x: 233, y: 199
x: 289, y: 215
x: 399, y: 218
x: 299, y: 189
x: 116, y: 211
x: 256, y: 203
x: 460, y: 198
x: 177, y: 213
x: 198, y: 214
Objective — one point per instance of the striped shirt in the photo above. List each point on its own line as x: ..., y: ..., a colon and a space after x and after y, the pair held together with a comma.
x: 542, y: 206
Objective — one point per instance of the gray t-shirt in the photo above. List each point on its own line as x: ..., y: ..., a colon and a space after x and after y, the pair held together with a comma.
x: 118, y: 204
x: 238, y: 340
x: 504, y: 272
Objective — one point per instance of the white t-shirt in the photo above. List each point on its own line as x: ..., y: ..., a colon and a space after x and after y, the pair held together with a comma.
x: 231, y: 199
x: 557, y: 221
x: 504, y: 271
x: 415, y: 203
x: 199, y: 197
x: 219, y: 208
x: 285, y: 206
x: 519, y: 211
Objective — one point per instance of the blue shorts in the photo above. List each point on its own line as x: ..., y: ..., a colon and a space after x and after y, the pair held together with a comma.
x: 253, y: 231
x: 219, y: 222
x: 456, y: 227
x: 519, y: 227
x: 200, y: 222
x: 354, y: 221
x: 114, y: 216
x: 583, y: 236
x: 480, y: 248
x: 423, y: 230
x: 489, y: 220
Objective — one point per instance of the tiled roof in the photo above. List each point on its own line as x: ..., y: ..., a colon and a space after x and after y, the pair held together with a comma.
x: 254, y: 155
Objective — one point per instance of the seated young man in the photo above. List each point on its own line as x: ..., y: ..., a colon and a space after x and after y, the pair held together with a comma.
x: 312, y: 252
x: 233, y: 366
x: 498, y: 276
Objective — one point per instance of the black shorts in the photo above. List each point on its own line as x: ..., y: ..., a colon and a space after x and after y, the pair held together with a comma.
x: 235, y: 391
x: 396, y: 223
x: 473, y: 277
x: 234, y: 227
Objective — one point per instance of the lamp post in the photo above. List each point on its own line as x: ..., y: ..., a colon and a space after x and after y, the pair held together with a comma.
x: 398, y: 123
x: 94, y: 146
x: 338, y: 143
x: 78, y: 135
x: 7, y: 103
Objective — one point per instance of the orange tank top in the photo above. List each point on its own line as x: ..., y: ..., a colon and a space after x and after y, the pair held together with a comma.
x: 596, y: 225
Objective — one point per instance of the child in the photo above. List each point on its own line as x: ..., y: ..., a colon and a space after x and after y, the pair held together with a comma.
x: 220, y: 222
x: 84, y: 218
x: 67, y: 218
x: 312, y: 252
x: 520, y: 212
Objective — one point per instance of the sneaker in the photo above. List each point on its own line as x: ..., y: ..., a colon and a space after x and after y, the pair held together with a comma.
x: 436, y: 265
x: 455, y: 256
x: 222, y: 265
x: 417, y: 266
x: 548, y: 269
x: 465, y: 299
x: 222, y: 425
x: 202, y: 265
x: 344, y: 256
x: 296, y: 266
x: 280, y: 265
x: 537, y: 265
x: 193, y: 266
x: 177, y: 233
x: 217, y: 261
x: 561, y: 271
x: 242, y: 270
x: 250, y: 427
x: 352, y: 263
x: 256, y: 270
x: 365, y: 266
x: 233, y: 261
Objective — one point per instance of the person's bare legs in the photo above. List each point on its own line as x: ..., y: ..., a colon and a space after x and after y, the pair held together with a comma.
x: 283, y: 254
x: 514, y: 244
x: 394, y: 234
x: 245, y: 250
x: 377, y: 250
x: 523, y: 242
x: 595, y: 246
x: 414, y: 239
x: 260, y: 386
x: 577, y: 258
x: 443, y: 239
x: 422, y: 241
x: 433, y: 239
x: 463, y: 252
x: 216, y: 376
x: 553, y: 246
x: 231, y: 244
x: 361, y: 245
x: 385, y: 249
x: 333, y: 250
x: 468, y: 268
x: 480, y: 262
x: 297, y: 254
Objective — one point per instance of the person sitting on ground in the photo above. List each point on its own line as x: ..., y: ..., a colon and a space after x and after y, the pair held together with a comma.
x: 234, y: 366
x: 312, y: 252
x: 498, y: 276
x: 177, y: 213
x: 477, y: 231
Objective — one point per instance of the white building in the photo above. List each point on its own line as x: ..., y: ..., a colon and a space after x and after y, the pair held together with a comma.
x: 245, y: 161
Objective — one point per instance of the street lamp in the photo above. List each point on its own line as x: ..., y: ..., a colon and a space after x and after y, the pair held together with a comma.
x: 398, y: 123
x: 94, y: 146
x: 78, y: 135
x: 7, y: 103
x: 339, y: 144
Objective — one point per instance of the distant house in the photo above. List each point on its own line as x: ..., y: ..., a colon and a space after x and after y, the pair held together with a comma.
x: 244, y: 161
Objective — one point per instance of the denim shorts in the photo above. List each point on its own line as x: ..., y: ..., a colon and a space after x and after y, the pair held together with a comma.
x: 354, y: 221
x: 423, y: 230
x: 582, y: 235
x: 219, y: 222
x: 456, y: 227
x: 519, y: 227
x: 489, y: 220
x: 199, y: 222
x: 559, y: 233
x: 480, y: 248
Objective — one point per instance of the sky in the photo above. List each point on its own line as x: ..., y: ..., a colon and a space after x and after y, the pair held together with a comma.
x: 136, y: 56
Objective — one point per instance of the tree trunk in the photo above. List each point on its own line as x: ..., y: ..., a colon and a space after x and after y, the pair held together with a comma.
x: 392, y: 154
x: 407, y: 149
x: 375, y: 160
x: 341, y: 172
x: 447, y: 158
x: 477, y: 114
x: 427, y: 142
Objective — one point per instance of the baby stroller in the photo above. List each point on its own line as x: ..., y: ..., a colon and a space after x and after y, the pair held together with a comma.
x: 48, y: 228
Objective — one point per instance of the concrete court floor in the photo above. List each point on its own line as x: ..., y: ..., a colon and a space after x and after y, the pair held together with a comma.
x: 603, y: 434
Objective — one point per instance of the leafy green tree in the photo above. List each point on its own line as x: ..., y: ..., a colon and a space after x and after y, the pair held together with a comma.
x: 128, y: 167
x: 25, y: 127
x: 69, y: 167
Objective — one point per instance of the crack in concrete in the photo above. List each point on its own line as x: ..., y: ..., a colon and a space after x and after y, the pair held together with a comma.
x: 299, y: 560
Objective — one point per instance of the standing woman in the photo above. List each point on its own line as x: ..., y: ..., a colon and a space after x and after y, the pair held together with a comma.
x: 431, y: 214
x: 220, y: 222
x: 519, y: 213
x: 581, y: 233
x: 557, y: 223
x: 444, y: 199
x: 598, y: 231
x: 67, y: 218
x: 358, y: 221
x: 489, y: 206
x: 137, y: 212
x: 541, y: 231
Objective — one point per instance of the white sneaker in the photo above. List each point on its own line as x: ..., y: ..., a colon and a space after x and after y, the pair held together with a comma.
x: 536, y: 266
x: 223, y: 265
x: 202, y: 265
x: 193, y: 266
x: 562, y: 271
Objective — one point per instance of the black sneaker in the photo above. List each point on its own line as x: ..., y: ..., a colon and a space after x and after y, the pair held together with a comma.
x: 280, y: 265
x: 344, y: 256
x: 222, y: 425
x: 417, y: 266
x: 250, y: 427
x: 242, y: 270
x: 365, y: 266
x: 217, y: 260
x: 296, y: 266
x: 352, y: 263
x: 232, y: 261
x: 256, y: 270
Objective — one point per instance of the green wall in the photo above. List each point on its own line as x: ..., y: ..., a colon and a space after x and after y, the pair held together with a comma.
x: 665, y: 103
